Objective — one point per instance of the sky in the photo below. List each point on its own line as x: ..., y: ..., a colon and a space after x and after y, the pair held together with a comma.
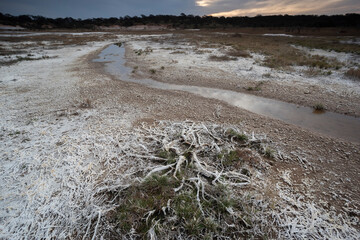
x: 117, y: 8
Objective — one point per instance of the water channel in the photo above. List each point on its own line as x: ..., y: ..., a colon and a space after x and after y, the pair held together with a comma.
x: 328, y: 123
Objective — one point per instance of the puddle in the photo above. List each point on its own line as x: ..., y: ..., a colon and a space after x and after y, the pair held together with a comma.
x: 328, y: 123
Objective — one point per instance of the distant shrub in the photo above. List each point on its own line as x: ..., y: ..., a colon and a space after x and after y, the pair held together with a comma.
x: 239, y: 53
x: 221, y: 58
x: 236, y: 35
x: 319, y: 107
x: 353, y: 73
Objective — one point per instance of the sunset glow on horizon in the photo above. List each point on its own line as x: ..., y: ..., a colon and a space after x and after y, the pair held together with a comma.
x: 217, y: 8
x: 276, y: 7
x: 205, y: 3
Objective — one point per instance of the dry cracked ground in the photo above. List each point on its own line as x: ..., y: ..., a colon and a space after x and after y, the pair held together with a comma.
x: 86, y: 155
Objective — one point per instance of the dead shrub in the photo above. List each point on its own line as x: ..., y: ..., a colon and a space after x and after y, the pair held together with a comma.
x: 221, y: 58
x: 239, y: 53
x: 236, y: 35
x: 353, y: 73
x: 86, y: 104
x: 312, y: 72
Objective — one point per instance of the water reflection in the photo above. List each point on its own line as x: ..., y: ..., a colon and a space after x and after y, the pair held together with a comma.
x: 331, y: 124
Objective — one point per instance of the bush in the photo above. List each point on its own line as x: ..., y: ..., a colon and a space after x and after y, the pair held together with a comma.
x: 222, y: 58
x: 319, y: 107
x: 353, y: 73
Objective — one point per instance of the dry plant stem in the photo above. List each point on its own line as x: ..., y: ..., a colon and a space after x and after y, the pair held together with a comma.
x: 67, y: 193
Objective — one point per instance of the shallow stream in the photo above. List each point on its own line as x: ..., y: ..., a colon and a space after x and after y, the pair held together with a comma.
x: 328, y: 123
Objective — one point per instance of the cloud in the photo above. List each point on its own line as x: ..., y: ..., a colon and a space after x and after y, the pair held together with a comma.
x: 274, y: 7
x: 103, y: 8
x: 116, y: 8
x: 206, y: 3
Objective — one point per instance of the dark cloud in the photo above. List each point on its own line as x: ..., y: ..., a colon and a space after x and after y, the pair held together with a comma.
x: 116, y: 8
x: 97, y: 8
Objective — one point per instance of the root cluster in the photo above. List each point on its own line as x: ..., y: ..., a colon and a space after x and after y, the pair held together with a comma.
x: 181, y: 180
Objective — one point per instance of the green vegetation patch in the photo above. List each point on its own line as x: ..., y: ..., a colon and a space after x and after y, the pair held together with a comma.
x: 237, y: 136
x: 146, y: 198
x: 154, y: 203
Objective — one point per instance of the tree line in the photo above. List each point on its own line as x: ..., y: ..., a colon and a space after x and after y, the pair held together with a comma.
x: 185, y: 21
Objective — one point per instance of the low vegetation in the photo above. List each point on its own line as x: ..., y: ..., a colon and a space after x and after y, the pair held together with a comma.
x: 326, y: 43
x: 8, y: 52
x: 236, y: 136
x: 291, y: 23
x: 28, y: 57
x: 353, y: 73
x: 190, y: 196
x: 86, y: 104
x: 239, y: 53
x: 257, y: 87
x: 170, y: 180
x: 279, y: 52
x: 178, y: 52
x: 154, y: 207
x: 221, y: 58
x: 319, y: 107
x: 293, y: 57
x: 146, y: 51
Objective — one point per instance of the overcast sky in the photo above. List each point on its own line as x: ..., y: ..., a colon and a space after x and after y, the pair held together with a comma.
x: 117, y: 8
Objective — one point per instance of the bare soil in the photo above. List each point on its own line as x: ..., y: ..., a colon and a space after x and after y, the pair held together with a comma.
x: 52, y: 101
x: 329, y: 165
x: 282, y: 84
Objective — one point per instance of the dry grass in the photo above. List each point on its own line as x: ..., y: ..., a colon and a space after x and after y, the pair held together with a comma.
x: 353, y: 73
x: 29, y: 57
x: 312, y: 72
x: 171, y: 180
x: 86, y: 104
x: 257, y: 87
x: 285, y: 58
x: 278, y: 50
x: 328, y: 43
x: 178, y: 52
x: 239, y: 53
x: 60, y: 40
x: 221, y: 58
x: 319, y: 107
x: 7, y: 52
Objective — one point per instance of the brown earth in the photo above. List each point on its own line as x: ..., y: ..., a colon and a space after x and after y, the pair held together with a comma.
x: 297, y: 92
x: 330, y: 165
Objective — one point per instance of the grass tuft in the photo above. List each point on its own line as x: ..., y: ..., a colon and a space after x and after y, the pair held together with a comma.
x: 86, y: 104
x: 319, y: 107
x: 170, y: 156
x: 256, y: 88
x: 269, y: 153
x: 353, y: 73
x: 221, y: 58
x: 238, y: 53
x: 237, y: 136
